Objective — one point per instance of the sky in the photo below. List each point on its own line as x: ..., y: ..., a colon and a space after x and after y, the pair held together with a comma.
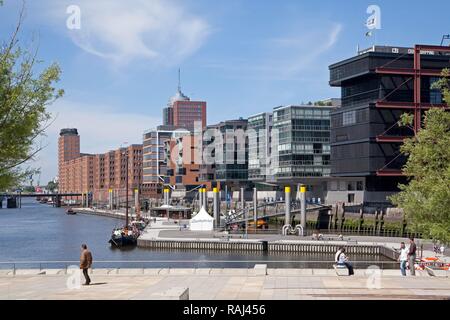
x: 120, y: 63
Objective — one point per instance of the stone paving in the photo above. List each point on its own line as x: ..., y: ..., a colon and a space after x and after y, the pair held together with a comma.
x: 224, y: 284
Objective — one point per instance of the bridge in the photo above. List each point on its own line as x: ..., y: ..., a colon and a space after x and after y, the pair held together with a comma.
x: 270, y: 210
x: 37, y: 195
x: 14, y: 200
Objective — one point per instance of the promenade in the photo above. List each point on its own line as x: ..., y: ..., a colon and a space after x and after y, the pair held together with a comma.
x: 224, y: 284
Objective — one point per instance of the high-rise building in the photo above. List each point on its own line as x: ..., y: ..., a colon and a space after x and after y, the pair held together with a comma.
x: 181, y: 112
x: 378, y: 85
x: 68, y: 149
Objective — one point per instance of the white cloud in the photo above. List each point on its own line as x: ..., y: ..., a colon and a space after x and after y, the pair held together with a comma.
x: 161, y: 31
x: 286, y: 57
x: 101, y: 129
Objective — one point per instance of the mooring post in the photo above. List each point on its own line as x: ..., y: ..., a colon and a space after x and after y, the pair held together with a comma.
x: 110, y: 199
x: 255, y: 205
x: 242, y: 199
x: 216, y: 205
x: 205, y: 199
x: 303, y: 206
x: 287, y: 200
x: 137, y: 207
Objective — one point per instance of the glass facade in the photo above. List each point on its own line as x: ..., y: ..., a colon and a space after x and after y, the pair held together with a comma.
x: 303, y: 146
x: 259, y: 146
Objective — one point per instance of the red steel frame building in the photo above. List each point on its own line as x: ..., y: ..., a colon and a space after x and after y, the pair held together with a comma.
x: 417, y: 106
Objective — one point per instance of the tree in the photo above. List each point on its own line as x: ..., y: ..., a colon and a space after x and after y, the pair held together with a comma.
x: 24, y: 97
x: 52, y: 186
x: 426, y: 198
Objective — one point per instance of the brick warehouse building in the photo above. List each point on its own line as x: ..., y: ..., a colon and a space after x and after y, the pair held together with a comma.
x: 378, y: 85
x: 97, y: 173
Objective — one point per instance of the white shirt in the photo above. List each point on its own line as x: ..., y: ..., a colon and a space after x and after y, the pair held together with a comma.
x: 342, y: 258
x: 336, y: 257
x: 404, y: 254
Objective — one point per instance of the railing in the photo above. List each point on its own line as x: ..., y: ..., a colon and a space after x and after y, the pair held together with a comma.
x: 192, y: 264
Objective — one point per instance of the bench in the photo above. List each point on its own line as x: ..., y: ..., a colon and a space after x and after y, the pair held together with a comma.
x: 341, y: 270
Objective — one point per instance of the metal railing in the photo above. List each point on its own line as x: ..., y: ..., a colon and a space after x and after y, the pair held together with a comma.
x: 191, y: 264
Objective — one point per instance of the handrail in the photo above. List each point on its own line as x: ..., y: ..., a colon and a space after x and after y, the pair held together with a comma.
x: 200, y: 261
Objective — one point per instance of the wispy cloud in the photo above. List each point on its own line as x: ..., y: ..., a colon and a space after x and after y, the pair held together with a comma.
x: 101, y: 128
x: 285, y: 57
x: 160, y: 31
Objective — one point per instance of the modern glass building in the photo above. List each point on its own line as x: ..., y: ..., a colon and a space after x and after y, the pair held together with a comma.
x: 302, y: 147
x: 230, y: 153
x: 259, y: 131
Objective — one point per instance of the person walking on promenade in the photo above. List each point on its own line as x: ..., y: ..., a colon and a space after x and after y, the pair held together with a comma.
x: 403, y: 258
x: 412, y: 256
x: 85, y: 263
x: 342, y: 259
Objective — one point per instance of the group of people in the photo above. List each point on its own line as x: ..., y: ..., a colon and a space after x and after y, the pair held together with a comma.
x: 408, y: 256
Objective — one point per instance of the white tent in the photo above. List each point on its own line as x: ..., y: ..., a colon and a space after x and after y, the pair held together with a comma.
x: 202, y: 221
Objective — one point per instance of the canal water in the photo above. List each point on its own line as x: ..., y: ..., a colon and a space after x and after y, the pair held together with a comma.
x: 36, y: 233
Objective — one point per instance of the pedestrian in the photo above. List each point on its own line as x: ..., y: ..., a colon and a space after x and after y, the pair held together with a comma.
x: 85, y: 263
x: 442, y: 249
x: 403, y: 259
x: 412, y: 256
x: 342, y: 259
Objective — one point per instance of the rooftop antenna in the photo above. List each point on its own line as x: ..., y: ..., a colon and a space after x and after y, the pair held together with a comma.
x: 445, y: 37
x: 179, y: 80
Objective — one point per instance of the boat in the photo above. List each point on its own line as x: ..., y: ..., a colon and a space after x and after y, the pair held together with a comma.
x: 123, y: 237
x: 70, y: 211
x: 128, y: 234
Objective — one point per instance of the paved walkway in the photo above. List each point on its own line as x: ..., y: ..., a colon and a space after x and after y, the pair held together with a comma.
x: 225, y: 284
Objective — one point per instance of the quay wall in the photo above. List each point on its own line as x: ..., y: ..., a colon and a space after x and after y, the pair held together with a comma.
x: 264, y: 246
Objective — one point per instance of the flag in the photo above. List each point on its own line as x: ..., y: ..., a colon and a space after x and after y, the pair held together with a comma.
x: 371, y: 23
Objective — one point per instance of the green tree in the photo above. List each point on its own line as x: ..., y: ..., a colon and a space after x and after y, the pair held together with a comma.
x: 52, y: 186
x: 24, y: 97
x: 426, y: 198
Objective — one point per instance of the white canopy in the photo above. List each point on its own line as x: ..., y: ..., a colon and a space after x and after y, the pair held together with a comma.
x: 202, y: 221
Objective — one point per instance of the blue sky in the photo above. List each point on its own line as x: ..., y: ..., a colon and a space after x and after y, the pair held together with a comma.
x: 241, y: 56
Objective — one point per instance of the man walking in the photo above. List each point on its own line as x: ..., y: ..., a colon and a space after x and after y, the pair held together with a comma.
x: 403, y: 258
x: 85, y: 263
x: 412, y: 256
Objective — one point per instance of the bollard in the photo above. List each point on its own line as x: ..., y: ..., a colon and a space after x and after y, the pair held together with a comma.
x: 303, y: 206
x: 110, y: 199
x: 200, y: 198
x: 242, y: 199
x: 255, y: 205
x: 205, y: 199
x: 287, y: 217
x: 137, y: 207
x: 216, y: 207
x: 166, y: 196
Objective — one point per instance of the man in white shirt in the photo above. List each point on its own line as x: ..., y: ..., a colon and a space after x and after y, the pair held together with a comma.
x: 403, y: 258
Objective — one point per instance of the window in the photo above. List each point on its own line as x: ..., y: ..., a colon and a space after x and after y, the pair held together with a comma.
x: 349, y: 118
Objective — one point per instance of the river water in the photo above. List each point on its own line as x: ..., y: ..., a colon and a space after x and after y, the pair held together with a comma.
x: 39, y: 232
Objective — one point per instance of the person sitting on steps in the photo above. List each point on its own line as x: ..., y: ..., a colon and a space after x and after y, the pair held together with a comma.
x: 342, y: 259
